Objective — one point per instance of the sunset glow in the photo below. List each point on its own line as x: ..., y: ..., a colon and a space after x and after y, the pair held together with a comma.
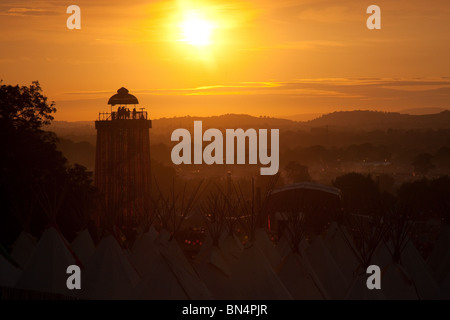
x: 196, y: 31
x: 182, y: 57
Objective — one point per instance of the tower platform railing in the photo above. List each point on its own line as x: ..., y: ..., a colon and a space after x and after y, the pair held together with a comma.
x: 122, y: 115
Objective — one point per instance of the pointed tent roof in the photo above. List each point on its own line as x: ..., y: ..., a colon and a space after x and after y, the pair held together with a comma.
x: 145, y: 253
x: 443, y: 292
x: 46, y: 270
x: 172, y: 251
x: 253, y: 278
x: 267, y: 247
x: 397, y: 284
x: 439, y: 259
x: 326, y: 269
x: 9, y: 274
x: 419, y: 271
x: 23, y: 249
x: 181, y: 267
x: 205, y: 248
x: 294, y: 272
x: 83, y: 246
x: 108, y: 273
x: 413, y: 269
x: 231, y: 249
x: 122, y: 97
x: 159, y: 283
x: 341, y: 247
x: 358, y: 290
x: 214, y: 271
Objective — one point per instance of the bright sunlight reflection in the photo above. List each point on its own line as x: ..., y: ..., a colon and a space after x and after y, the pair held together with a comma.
x: 196, y: 31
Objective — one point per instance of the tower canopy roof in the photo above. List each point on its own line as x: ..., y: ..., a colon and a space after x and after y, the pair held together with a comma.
x: 122, y: 97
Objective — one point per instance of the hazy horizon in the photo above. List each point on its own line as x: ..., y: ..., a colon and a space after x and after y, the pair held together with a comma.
x: 295, y: 118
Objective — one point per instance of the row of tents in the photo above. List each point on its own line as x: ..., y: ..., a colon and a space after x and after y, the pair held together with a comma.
x: 324, y: 267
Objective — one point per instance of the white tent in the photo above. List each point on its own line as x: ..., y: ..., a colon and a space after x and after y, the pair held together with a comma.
x: 254, y: 278
x: 231, y: 249
x: 413, y: 279
x: 172, y: 251
x: 23, y: 249
x: 145, y: 253
x: 216, y: 258
x: 181, y: 267
x: 207, y: 246
x: 443, y: 293
x: 83, y: 246
x: 151, y: 233
x: 215, y: 272
x: 283, y: 247
x: 108, y: 273
x: 294, y: 271
x: 381, y: 256
x: 396, y: 284
x: 159, y: 283
x: 358, y: 290
x: 267, y: 247
x: 9, y: 274
x: 46, y: 270
x: 185, y: 274
x: 419, y: 271
x: 439, y: 259
x: 326, y: 269
x: 341, y: 247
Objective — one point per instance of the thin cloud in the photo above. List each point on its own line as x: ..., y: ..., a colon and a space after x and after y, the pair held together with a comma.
x: 331, y: 87
x: 27, y: 12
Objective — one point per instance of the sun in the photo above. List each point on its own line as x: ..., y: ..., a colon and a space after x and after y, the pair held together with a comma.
x: 196, y: 31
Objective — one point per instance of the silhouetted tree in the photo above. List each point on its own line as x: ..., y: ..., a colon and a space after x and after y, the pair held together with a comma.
x: 359, y: 192
x: 25, y: 107
x: 426, y: 198
x: 422, y: 163
x: 297, y: 172
x: 33, y: 172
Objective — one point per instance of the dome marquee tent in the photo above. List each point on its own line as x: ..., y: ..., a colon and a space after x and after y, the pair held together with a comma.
x: 319, y: 203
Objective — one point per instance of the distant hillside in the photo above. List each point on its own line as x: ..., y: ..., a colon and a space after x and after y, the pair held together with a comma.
x: 375, y: 120
x: 226, y: 121
x: 85, y: 130
x: 343, y: 120
x: 422, y: 111
x: 301, y: 117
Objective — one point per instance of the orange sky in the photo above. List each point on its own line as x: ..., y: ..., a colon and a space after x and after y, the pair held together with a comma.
x: 266, y: 57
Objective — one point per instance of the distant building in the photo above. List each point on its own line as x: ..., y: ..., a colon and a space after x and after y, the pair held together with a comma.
x: 122, y: 162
